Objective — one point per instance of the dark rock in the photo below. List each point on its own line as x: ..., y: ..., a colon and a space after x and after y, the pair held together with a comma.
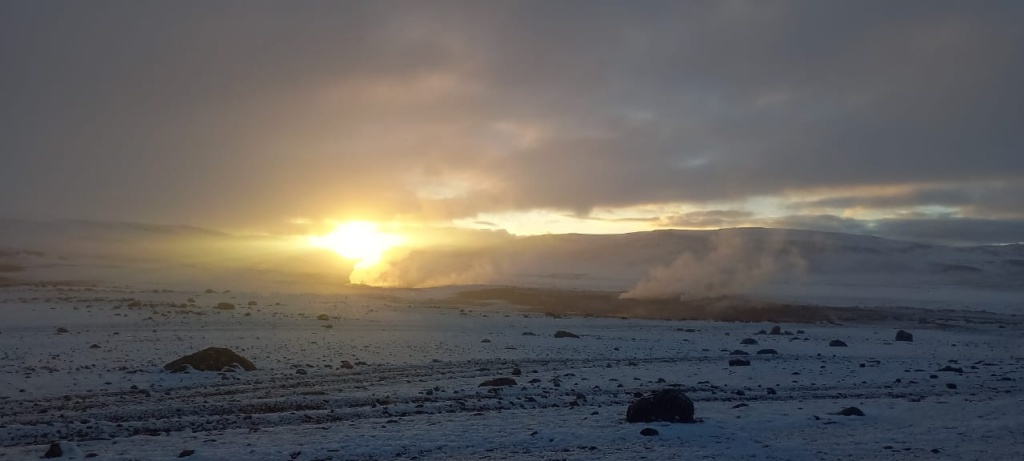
x: 94, y: 346
x: 739, y: 352
x: 772, y: 391
x: 904, y: 336
x: 498, y: 382
x: 951, y: 369
x: 54, y: 451
x: 210, y: 359
x: 648, y: 432
x: 346, y: 365
x: 749, y: 341
x: 62, y: 330
x: 565, y: 334
x: 323, y: 317
x: 186, y: 453
x: 767, y: 352
x: 739, y: 363
x: 669, y: 405
x: 776, y: 330
x: 528, y: 333
x: 849, y: 411
x: 950, y: 386
x: 516, y: 372
x: 485, y: 340
x: 836, y: 343
x: 251, y: 303
x: 225, y: 306
x: 301, y: 371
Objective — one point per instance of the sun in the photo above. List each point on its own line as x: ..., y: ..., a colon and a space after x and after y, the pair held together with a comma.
x: 359, y: 241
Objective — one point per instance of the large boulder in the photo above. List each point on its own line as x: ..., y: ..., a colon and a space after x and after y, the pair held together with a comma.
x: 498, y: 382
x: 904, y: 336
x: 210, y: 359
x: 669, y: 405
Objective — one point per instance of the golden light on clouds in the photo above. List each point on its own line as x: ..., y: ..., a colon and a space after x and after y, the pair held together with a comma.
x: 360, y: 241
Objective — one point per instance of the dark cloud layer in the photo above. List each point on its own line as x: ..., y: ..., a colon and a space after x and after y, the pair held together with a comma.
x: 242, y: 113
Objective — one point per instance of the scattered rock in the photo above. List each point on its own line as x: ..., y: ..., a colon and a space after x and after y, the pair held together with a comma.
x: 225, y: 306
x: 528, y: 333
x: 767, y: 352
x: 904, y: 336
x: 748, y: 341
x: 61, y: 330
x: 836, y: 343
x: 739, y: 352
x: 739, y: 363
x: 565, y: 334
x: 516, y: 372
x: 210, y: 359
x: 323, y: 317
x: 94, y: 346
x: 346, y: 365
x: 648, y: 432
x: 485, y: 340
x: 849, y: 411
x: 186, y: 453
x: 301, y: 371
x: 209, y: 290
x: 951, y: 369
x: 498, y: 382
x: 63, y: 450
x: 54, y: 451
x: 669, y: 405
x: 776, y: 330
x: 950, y: 386
x: 251, y: 303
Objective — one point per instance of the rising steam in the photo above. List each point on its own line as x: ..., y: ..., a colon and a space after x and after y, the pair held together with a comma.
x: 733, y: 264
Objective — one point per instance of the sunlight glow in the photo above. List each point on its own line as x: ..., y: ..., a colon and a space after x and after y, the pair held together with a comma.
x: 359, y: 241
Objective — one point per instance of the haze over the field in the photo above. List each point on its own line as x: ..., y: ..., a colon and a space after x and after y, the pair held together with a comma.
x: 899, y: 119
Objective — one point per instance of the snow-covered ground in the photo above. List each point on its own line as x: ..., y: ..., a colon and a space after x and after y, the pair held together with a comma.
x: 420, y: 356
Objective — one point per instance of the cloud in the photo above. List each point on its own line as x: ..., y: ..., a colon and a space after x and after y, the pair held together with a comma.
x: 706, y: 219
x: 243, y: 113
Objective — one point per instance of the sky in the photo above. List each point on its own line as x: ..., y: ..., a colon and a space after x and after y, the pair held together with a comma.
x: 899, y: 119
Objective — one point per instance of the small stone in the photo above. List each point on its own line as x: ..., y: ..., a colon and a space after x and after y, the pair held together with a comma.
x: 186, y: 453
x: 648, y: 432
x: 748, y: 341
x: 904, y: 336
x: 836, y: 343
x: 565, y: 334
x: 767, y: 352
x: 739, y: 363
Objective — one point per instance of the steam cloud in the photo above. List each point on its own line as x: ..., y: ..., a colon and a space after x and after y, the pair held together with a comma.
x: 733, y: 264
